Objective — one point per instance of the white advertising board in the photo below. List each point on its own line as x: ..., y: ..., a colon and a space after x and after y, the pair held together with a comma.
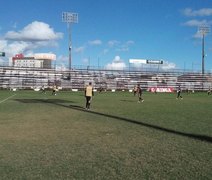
x: 137, y: 61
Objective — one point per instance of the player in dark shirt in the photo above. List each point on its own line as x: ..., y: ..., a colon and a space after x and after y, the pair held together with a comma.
x: 140, y: 92
x: 179, y: 93
x: 209, y: 91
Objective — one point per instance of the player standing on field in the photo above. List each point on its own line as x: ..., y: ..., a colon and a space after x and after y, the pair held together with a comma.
x: 43, y: 89
x: 135, y: 90
x: 88, y: 95
x: 209, y: 92
x: 179, y: 93
x: 140, y: 92
x: 54, y: 89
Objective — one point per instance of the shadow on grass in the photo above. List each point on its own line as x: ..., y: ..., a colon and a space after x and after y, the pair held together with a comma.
x: 128, y: 100
x: 80, y: 108
x: 193, y: 136
x: 52, y: 101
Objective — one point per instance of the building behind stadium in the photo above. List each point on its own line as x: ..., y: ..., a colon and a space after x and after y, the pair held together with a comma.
x: 38, y: 60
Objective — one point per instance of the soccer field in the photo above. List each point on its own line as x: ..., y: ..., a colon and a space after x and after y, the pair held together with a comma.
x: 54, y: 137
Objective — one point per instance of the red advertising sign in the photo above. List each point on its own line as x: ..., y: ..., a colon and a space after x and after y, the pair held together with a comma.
x: 161, y: 89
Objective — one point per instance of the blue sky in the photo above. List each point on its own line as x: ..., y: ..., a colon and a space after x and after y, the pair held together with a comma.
x: 109, y: 32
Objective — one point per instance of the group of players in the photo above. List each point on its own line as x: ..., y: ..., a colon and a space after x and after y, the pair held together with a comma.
x: 89, y: 93
x: 54, y: 90
x: 137, y: 90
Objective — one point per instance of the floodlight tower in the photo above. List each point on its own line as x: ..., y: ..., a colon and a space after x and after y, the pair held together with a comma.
x: 69, y: 18
x: 203, y: 30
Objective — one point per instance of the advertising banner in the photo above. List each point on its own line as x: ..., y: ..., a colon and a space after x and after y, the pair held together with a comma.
x: 161, y: 89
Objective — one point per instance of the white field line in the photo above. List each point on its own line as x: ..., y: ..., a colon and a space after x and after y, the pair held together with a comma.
x: 7, y: 98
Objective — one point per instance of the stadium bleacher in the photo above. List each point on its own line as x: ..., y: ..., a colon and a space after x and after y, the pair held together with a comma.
x: 28, y: 78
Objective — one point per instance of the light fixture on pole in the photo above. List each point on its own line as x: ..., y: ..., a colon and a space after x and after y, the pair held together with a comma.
x: 69, y: 18
x: 203, y: 30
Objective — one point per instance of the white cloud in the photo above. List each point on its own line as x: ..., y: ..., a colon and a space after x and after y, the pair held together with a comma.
x: 168, y: 65
x: 18, y: 47
x: 123, y: 49
x: 117, y: 64
x: 3, y: 44
x: 120, y: 46
x: 105, y: 51
x: 61, y: 67
x: 36, y: 31
x: 61, y: 62
x: 95, y: 42
x: 125, y: 46
x: 130, y: 42
x: 14, y: 47
x: 62, y: 58
x: 15, y: 25
x: 200, y: 12
x: 197, y: 23
x: 85, y: 61
x: 197, y: 35
x: 113, y: 43
x: 1, y: 61
x: 79, y: 49
x: 34, y: 36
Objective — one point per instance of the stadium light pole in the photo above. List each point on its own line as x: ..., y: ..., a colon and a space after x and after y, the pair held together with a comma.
x: 203, y: 30
x: 69, y: 18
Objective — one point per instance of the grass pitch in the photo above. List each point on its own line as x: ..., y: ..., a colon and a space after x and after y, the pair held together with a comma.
x: 54, y: 137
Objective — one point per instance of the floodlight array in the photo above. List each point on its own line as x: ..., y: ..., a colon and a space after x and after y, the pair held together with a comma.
x: 204, y: 29
x: 70, y: 17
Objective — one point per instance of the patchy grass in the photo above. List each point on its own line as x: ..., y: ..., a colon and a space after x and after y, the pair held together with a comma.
x: 53, y: 137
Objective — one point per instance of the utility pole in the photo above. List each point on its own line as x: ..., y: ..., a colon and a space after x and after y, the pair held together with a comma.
x: 69, y: 18
x: 203, y: 30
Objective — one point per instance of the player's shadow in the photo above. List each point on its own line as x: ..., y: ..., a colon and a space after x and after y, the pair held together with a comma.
x: 189, y: 135
x: 80, y: 108
x: 51, y: 101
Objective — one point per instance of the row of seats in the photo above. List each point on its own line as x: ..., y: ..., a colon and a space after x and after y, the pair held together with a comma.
x: 120, y: 80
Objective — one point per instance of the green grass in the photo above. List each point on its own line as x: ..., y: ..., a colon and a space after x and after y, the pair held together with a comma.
x: 53, y: 137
